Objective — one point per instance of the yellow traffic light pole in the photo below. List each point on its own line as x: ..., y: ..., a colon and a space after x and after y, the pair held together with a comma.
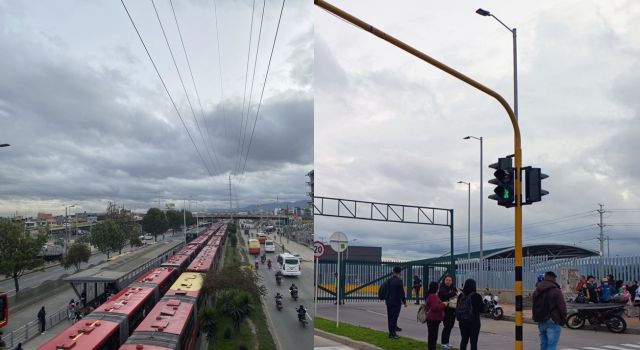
x: 516, y: 141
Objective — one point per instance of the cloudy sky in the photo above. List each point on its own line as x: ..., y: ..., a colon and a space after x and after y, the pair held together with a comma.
x: 89, y: 121
x: 390, y: 128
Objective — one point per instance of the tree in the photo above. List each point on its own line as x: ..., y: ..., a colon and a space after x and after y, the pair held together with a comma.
x: 126, y: 223
x: 102, y: 236
x: 155, y: 222
x: 188, y: 216
x: 233, y: 277
x: 78, y: 253
x: 134, y: 238
x: 19, y: 250
x: 174, y: 220
x: 236, y: 305
x: 208, y: 322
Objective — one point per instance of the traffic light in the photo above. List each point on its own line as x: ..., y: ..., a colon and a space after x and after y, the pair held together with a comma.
x: 533, y: 185
x: 504, y: 181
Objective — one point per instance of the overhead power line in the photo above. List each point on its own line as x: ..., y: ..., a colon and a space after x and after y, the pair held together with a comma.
x: 253, y: 77
x: 224, y: 113
x: 166, y: 89
x: 264, y: 84
x: 206, y: 124
x: 246, y: 77
x: 175, y: 64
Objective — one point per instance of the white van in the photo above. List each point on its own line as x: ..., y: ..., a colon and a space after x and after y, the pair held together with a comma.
x: 289, y: 264
x: 269, y: 246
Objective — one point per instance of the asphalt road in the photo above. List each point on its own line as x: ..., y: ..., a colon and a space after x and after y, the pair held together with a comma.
x: 289, y: 334
x: 54, y: 272
x: 493, y: 334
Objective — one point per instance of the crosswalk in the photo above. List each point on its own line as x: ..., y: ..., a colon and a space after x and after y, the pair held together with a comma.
x: 608, y: 347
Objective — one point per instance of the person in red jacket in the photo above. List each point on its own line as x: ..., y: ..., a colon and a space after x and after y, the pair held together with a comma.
x: 435, y: 314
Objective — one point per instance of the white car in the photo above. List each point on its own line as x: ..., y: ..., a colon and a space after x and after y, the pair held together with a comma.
x: 269, y: 246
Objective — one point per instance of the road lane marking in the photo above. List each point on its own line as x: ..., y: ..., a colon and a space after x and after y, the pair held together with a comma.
x: 592, y: 348
x: 377, y: 313
x: 614, y: 347
x: 631, y: 345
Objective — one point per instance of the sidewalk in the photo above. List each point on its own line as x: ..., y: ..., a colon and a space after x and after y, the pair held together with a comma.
x: 293, y: 247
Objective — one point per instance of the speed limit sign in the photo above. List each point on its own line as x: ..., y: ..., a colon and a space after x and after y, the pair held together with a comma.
x: 318, y: 249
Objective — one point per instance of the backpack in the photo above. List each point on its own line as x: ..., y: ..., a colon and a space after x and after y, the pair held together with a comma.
x: 383, y: 291
x: 464, y: 308
x: 422, y: 314
x: 540, y: 308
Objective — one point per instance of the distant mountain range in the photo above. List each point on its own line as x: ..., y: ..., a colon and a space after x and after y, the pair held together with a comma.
x: 270, y: 206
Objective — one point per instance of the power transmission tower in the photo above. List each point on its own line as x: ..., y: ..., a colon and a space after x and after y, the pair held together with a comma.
x: 230, y: 201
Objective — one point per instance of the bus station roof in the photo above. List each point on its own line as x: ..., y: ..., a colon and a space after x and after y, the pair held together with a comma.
x: 126, y: 267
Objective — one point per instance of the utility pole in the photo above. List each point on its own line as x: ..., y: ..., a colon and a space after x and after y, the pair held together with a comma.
x: 608, y: 251
x: 230, y: 201
x: 601, y: 239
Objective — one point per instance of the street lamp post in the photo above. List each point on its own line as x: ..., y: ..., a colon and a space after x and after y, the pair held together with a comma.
x: 66, y: 225
x: 481, y: 200
x: 468, y: 218
x: 482, y: 12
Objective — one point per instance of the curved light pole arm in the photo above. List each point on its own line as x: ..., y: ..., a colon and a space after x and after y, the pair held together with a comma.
x: 516, y: 143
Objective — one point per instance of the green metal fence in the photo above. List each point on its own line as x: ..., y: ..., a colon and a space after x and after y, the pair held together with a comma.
x: 360, y: 280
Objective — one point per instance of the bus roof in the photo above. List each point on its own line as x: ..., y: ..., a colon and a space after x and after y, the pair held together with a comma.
x: 126, y: 301
x: 176, y: 260
x: 168, y: 316
x: 201, y: 264
x: 189, y: 283
x: 157, y: 275
x: 85, y: 335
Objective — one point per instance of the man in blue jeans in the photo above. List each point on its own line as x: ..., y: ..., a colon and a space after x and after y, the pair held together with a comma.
x: 549, y: 311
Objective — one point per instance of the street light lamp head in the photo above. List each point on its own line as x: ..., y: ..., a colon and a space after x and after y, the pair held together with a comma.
x: 5, y: 145
x: 482, y: 12
x: 466, y: 137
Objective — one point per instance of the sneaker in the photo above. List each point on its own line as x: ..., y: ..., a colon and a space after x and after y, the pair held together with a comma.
x: 395, y: 336
x: 398, y: 329
x: 445, y: 346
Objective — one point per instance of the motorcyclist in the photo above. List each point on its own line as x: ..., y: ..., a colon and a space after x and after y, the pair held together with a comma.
x: 302, y: 313
x: 269, y: 263
x: 263, y: 258
x: 257, y: 265
x: 278, y: 298
x: 279, y: 277
x: 293, y: 289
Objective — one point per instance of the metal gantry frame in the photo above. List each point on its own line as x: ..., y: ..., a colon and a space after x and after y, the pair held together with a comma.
x: 387, y: 212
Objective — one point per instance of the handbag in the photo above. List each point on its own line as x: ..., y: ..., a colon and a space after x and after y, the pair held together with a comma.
x: 453, y: 302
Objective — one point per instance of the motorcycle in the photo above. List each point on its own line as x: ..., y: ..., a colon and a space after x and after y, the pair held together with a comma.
x: 609, y: 314
x: 263, y: 258
x: 269, y: 264
x: 492, y: 307
x: 294, y: 294
x: 279, y: 304
x: 302, y: 317
x: 278, y: 279
x: 257, y: 265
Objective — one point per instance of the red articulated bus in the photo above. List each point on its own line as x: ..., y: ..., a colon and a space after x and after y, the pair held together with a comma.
x: 86, y: 335
x: 171, y: 325
x: 160, y: 278
x: 126, y: 310
x: 179, y: 262
x: 201, y: 264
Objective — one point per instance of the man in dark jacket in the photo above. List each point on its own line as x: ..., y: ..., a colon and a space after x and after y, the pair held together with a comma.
x: 549, y: 311
x: 394, y: 300
x: 41, y: 319
x: 417, y: 285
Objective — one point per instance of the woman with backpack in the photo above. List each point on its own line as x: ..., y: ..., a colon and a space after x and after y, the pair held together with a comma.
x: 435, y: 314
x: 468, y: 313
x: 446, y: 293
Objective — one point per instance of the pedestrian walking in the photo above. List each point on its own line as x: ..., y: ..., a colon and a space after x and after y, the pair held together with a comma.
x: 468, y: 309
x: 417, y: 284
x: 83, y: 298
x: 19, y: 347
x: 549, y: 311
x: 446, y: 293
x: 41, y: 318
x: 394, y: 300
x: 435, y: 314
